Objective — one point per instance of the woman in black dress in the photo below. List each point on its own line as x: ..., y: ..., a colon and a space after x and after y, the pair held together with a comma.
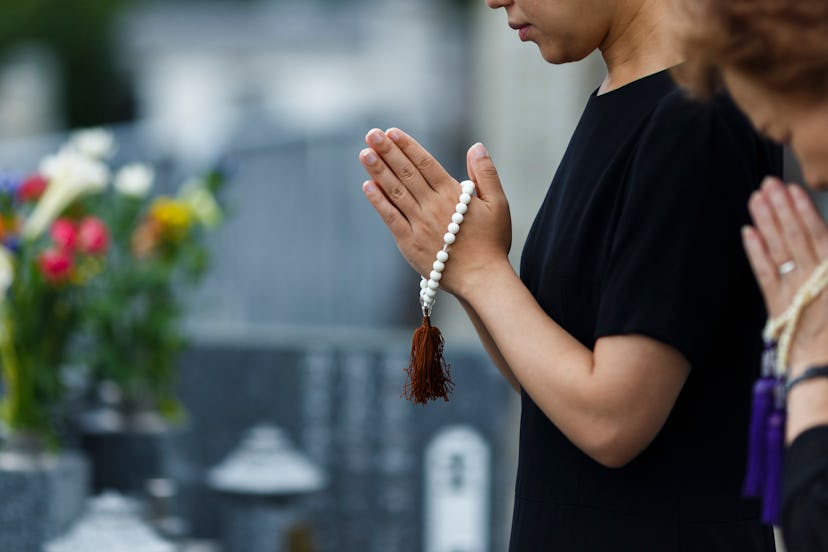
x: 634, y: 322
x: 772, y: 55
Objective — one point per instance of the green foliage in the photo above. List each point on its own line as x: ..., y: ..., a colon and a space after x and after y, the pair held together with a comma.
x: 33, y: 350
x: 133, y: 314
x: 40, y: 305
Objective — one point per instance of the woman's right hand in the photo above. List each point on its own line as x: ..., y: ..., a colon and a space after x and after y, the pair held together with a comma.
x: 788, y: 229
x: 416, y: 198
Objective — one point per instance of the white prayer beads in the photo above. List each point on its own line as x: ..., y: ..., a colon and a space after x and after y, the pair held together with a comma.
x: 428, y: 287
x: 783, y: 327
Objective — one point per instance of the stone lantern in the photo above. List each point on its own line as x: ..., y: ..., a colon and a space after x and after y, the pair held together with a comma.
x: 261, y: 484
x: 113, y: 523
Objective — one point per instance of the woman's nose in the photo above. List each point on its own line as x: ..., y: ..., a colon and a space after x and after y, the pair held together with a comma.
x: 494, y: 4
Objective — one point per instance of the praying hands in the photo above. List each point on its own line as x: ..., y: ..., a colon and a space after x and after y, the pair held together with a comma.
x: 416, y: 199
x: 787, y: 244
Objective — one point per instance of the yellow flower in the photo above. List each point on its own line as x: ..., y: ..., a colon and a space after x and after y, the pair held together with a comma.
x: 201, y: 201
x: 174, y: 216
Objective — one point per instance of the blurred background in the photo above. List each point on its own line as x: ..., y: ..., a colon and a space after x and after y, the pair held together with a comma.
x: 295, y: 436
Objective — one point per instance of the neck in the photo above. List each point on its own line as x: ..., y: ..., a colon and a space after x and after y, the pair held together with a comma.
x: 639, y: 44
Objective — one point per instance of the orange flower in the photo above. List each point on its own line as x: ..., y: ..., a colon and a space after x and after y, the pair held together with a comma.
x: 145, y: 238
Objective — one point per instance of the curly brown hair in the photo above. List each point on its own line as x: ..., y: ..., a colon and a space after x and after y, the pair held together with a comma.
x: 780, y: 44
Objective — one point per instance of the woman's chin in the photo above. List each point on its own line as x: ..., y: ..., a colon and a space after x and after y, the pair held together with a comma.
x: 558, y: 56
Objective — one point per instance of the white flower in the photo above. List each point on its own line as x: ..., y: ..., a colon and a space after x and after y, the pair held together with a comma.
x: 134, y: 180
x: 6, y: 280
x: 71, y: 168
x: 96, y: 143
x: 201, y: 201
x: 6, y: 271
x: 71, y: 174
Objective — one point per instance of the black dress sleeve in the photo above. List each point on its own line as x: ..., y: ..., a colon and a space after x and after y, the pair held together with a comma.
x: 805, y: 492
x: 676, y: 252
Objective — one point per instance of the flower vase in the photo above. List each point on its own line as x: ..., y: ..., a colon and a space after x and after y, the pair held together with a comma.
x: 129, y: 444
x: 42, y: 492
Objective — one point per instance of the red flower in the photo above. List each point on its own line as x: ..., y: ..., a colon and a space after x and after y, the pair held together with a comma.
x: 93, y: 236
x: 32, y: 188
x: 64, y: 234
x: 56, y: 264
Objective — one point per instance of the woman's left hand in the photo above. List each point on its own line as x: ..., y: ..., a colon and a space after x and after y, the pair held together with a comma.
x: 788, y: 242
x: 416, y: 198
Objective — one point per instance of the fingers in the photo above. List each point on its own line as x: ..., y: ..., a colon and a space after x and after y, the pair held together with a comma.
x: 390, y: 214
x: 814, y: 225
x: 787, y: 228
x: 392, y: 188
x: 767, y: 225
x: 400, y: 165
x: 482, y: 170
x: 761, y: 262
x: 430, y: 170
x: 796, y: 237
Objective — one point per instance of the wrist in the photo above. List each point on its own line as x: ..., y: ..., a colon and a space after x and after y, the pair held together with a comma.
x: 477, y: 283
x: 805, y: 356
x: 807, y: 406
x: 816, y: 372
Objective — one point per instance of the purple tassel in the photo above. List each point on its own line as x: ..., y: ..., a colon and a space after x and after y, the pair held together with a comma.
x: 772, y: 496
x: 758, y: 436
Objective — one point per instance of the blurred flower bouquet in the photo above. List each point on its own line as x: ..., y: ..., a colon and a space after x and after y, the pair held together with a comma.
x: 51, y: 248
x: 134, y: 310
x: 96, y: 273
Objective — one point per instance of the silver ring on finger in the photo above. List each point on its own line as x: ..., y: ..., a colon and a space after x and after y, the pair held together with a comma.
x: 787, y: 267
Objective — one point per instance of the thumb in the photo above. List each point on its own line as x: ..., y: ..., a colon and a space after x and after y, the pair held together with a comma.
x: 482, y: 171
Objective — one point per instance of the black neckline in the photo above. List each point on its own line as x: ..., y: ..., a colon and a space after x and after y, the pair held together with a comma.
x: 656, y: 82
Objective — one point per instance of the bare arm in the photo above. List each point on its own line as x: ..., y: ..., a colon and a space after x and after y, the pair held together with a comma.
x: 490, y: 345
x: 807, y: 407
x: 611, y: 402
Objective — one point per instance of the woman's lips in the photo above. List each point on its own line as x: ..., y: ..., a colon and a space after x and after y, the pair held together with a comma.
x: 522, y: 29
x: 523, y: 32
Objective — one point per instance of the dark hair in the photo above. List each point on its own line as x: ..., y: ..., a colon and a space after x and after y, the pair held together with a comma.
x: 780, y: 44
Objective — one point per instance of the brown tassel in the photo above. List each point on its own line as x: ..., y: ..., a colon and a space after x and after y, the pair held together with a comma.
x: 428, y: 373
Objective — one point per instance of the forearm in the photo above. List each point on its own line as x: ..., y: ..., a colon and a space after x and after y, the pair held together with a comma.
x: 490, y: 346
x: 586, y: 395
x: 807, y: 407
x: 553, y: 367
x: 807, y: 401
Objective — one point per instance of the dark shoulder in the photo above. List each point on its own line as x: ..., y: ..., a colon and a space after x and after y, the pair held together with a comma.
x: 678, y: 114
x: 702, y: 148
x: 713, y: 131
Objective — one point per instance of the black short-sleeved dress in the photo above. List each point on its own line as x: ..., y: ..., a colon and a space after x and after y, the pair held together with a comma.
x: 640, y: 234
x: 805, y: 484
